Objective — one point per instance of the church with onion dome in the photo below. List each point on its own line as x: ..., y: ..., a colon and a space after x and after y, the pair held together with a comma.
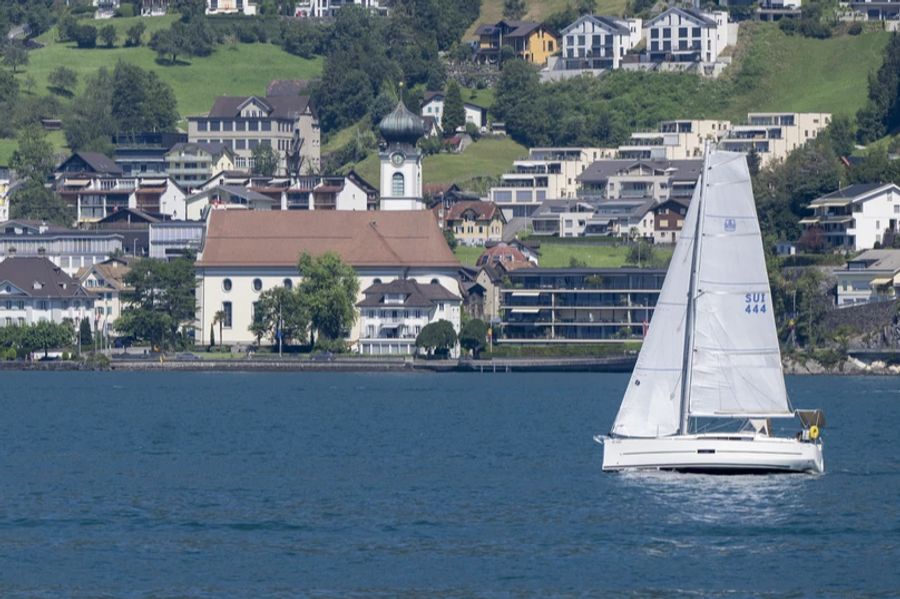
x: 401, y: 160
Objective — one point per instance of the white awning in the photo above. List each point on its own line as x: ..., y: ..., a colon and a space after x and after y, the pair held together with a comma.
x: 525, y: 310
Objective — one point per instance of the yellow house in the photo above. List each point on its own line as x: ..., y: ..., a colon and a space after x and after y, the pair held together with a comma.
x: 475, y: 222
x: 532, y: 42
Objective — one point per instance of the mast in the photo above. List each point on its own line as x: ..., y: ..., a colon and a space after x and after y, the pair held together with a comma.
x: 687, y: 358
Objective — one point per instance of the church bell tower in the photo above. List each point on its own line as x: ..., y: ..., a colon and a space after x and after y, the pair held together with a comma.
x: 401, y: 160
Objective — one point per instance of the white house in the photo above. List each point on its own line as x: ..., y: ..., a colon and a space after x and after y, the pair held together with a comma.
x: 69, y: 249
x: 872, y: 276
x: 329, y: 8
x: 105, y: 281
x: 596, y: 42
x: 34, y: 290
x: 433, y: 106
x: 393, y: 314
x: 231, y: 7
x: 855, y: 217
x: 94, y: 197
x: 686, y: 35
x: 246, y: 252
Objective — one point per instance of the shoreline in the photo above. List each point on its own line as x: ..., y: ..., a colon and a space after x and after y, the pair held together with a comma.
x: 618, y: 364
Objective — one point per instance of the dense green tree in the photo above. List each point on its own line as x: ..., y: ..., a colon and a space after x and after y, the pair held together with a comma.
x: 328, y: 293
x: 141, y: 101
x: 280, y: 311
x: 882, y: 113
x: 62, y: 80
x: 159, y: 300
x: 135, y: 35
x: 9, y: 87
x: 45, y: 335
x: 85, y: 36
x: 754, y: 161
x: 108, y: 35
x: 190, y: 10
x: 194, y: 38
x: 842, y: 133
x: 85, y: 335
x: 437, y: 338
x: 514, y: 9
x: 586, y: 7
x: 14, y: 56
x: 33, y: 158
x: 265, y: 160
x: 473, y: 336
x: 454, y: 115
x: 35, y: 201
x: 90, y: 124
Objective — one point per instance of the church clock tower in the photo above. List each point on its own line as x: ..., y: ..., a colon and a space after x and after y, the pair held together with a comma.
x: 401, y: 160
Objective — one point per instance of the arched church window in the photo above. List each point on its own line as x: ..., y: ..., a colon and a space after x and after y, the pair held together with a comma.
x: 398, y: 185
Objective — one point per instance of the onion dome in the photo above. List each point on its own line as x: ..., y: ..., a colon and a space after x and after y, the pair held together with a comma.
x: 401, y: 126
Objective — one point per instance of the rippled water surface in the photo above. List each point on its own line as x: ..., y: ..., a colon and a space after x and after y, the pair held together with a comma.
x: 178, y: 484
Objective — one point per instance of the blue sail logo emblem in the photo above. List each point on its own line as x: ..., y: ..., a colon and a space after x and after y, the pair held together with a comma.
x: 730, y: 225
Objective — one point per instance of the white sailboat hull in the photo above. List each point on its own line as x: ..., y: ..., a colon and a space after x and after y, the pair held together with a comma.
x: 713, y: 453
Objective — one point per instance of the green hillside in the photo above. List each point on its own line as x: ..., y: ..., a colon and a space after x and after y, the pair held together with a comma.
x: 793, y: 73
x: 492, y: 10
x: 485, y: 158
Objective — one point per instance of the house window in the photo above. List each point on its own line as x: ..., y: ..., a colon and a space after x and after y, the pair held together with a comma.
x: 696, y: 32
x: 398, y: 187
x: 266, y: 125
x: 667, y: 32
x: 43, y: 305
x: 682, y: 31
x: 257, y: 285
x: 252, y: 125
x: 240, y: 126
x: 288, y: 284
x: 201, y: 126
x: 214, y: 126
x: 654, y: 33
x: 226, y: 284
x: 226, y: 308
x: 240, y: 144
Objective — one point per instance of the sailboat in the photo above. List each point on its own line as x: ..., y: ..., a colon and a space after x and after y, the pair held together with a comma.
x: 708, y: 380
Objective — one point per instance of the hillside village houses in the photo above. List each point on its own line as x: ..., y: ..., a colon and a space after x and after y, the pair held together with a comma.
x: 231, y: 7
x: 854, y: 218
x: 872, y: 276
x: 597, y: 42
x: 472, y: 222
x: 433, y: 107
x: 68, y: 249
x: 105, y: 282
x: 34, y: 290
x: 674, y: 140
x: 774, y: 134
x: 531, y: 41
x: 190, y: 164
x: 288, y: 124
x: 329, y: 8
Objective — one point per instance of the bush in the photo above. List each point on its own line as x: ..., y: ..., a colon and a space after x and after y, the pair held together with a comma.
x: 855, y: 29
x: 125, y: 10
x: 335, y: 346
x: 9, y: 354
x: 85, y: 36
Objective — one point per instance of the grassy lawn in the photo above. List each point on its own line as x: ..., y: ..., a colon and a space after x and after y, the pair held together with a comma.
x: 492, y: 11
x: 467, y: 255
x: 8, y: 146
x: 801, y: 74
x: 487, y: 157
x: 233, y: 69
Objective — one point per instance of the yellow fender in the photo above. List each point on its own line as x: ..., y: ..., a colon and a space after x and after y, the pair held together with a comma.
x: 814, y: 432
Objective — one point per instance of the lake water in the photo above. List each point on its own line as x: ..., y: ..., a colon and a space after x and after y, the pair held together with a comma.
x: 233, y: 484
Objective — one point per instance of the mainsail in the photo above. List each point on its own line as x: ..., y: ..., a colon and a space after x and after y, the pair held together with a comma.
x: 652, y: 401
x: 736, y: 368
x: 735, y: 361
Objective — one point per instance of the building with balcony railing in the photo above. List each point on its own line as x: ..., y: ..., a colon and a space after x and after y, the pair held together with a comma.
x: 856, y: 217
x: 597, y: 42
x: 581, y: 305
x: 774, y: 134
x: 95, y: 197
x: 686, y: 35
x: 69, y: 249
x: 674, y: 140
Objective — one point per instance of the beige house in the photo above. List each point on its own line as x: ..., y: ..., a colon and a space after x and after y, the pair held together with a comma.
x: 475, y: 222
x: 190, y: 164
x: 870, y: 277
x: 774, y: 134
x: 105, y: 281
x: 674, y: 140
x: 288, y: 124
x: 247, y: 252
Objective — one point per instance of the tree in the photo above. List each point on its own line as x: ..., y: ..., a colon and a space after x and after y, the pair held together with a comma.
x: 108, y: 35
x: 85, y: 36
x: 473, y: 336
x: 754, y: 161
x: 141, y: 101
x: 36, y: 202
x: 265, y: 161
x: 882, y: 113
x: 62, y: 80
x: 437, y: 338
x: 450, y: 238
x: 218, y: 319
x: 193, y: 38
x: 15, y: 56
x: 134, y: 35
x: 514, y: 9
x: 842, y: 133
x: 159, y: 301
x: 328, y: 293
x: 45, y: 335
x: 454, y: 115
x: 586, y: 7
x: 33, y: 159
x: 90, y: 124
x: 86, y: 338
x: 280, y: 315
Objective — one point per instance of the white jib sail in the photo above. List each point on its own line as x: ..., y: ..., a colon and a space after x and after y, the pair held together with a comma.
x: 652, y: 401
x: 736, y: 361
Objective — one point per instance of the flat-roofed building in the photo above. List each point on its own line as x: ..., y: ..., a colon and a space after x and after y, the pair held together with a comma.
x: 873, y: 276
x: 774, y: 134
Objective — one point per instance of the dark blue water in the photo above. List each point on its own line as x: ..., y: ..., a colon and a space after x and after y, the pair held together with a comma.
x: 178, y: 484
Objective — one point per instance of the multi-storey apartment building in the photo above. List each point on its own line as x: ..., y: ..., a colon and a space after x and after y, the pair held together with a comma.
x: 582, y: 305
x: 94, y: 198
x: 674, y: 140
x: 547, y: 174
x: 69, y: 249
x: 231, y: 7
x: 686, y: 35
x: 144, y: 153
x: 855, y: 217
x: 774, y: 134
x: 191, y: 164
x: 329, y: 8
x: 597, y: 42
x: 288, y: 124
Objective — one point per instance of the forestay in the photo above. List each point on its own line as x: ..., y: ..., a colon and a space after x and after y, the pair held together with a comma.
x: 652, y: 400
x: 736, y: 361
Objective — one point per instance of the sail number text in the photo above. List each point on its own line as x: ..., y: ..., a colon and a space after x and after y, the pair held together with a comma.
x: 755, y: 303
